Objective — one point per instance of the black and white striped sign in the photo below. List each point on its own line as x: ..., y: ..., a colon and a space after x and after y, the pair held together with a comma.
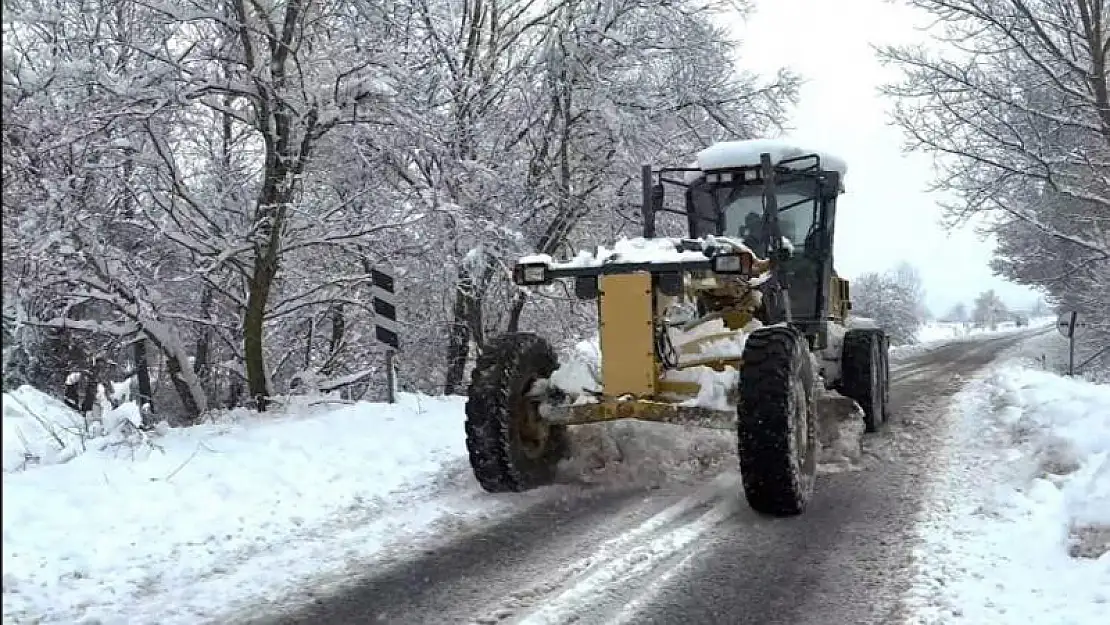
x: 1068, y: 322
x: 386, y: 328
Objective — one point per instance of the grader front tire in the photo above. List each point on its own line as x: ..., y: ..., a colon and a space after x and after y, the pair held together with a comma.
x: 511, y: 449
x: 777, y: 422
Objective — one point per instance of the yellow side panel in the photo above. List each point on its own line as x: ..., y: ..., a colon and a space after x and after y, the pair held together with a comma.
x: 627, y: 344
x: 838, y: 298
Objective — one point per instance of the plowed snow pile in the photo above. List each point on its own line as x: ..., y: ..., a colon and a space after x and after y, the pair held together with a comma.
x: 1018, y: 529
x: 637, y: 452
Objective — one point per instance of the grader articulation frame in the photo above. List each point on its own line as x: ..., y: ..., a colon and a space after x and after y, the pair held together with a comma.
x: 758, y: 264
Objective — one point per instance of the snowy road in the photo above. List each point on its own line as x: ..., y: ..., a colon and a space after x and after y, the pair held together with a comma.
x: 690, y: 552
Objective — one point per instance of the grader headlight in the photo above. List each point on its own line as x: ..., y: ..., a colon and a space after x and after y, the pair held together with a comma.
x: 733, y: 263
x: 530, y: 274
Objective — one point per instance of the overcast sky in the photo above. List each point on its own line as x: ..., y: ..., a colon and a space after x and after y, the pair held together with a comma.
x: 885, y: 216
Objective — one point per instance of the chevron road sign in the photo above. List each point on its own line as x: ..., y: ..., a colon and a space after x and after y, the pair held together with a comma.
x: 386, y: 328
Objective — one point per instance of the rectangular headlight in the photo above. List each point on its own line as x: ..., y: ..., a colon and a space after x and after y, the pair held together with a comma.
x: 733, y: 263
x: 531, y: 274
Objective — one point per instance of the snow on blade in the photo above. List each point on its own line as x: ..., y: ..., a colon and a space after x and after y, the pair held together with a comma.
x: 635, y: 250
x: 729, y: 154
x: 1017, y: 525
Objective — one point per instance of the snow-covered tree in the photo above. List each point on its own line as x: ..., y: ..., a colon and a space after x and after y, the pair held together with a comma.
x: 957, y: 314
x: 216, y: 180
x: 1039, y: 308
x: 989, y: 310
x: 1015, y: 101
x: 894, y: 299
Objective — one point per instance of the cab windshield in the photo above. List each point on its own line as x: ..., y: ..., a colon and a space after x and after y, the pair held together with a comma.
x: 737, y: 211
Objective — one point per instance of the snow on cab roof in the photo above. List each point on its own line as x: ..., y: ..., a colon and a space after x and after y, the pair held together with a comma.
x: 730, y: 154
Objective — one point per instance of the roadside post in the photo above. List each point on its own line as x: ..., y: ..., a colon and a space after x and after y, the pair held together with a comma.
x: 386, y: 329
x: 1066, y: 324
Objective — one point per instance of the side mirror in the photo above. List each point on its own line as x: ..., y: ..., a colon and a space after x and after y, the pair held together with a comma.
x: 830, y: 185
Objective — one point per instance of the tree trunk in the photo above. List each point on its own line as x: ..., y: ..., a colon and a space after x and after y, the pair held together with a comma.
x: 201, y: 357
x: 458, y: 345
x: 335, y: 343
x: 142, y: 373
x: 272, y: 204
x: 253, y: 340
x: 516, y: 311
x: 173, y: 368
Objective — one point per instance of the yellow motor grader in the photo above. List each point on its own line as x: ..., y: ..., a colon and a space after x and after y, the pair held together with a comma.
x: 764, y: 317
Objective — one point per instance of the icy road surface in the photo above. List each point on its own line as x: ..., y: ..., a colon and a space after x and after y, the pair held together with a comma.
x: 689, y: 550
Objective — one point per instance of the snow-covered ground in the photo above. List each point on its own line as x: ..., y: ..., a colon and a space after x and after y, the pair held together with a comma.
x: 193, y: 525
x: 936, y: 333
x: 241, y: 508
x: 103, y: 523
x: 1018, y: 525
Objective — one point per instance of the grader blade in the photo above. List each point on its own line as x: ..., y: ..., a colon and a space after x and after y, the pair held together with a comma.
x: 643, y: 410
x: 839, y: 429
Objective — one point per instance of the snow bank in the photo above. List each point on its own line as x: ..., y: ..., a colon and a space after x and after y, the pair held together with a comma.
x: 729, y: 154
x: 1017, y: 525
x: 178, y: 530
x: 40, y: 429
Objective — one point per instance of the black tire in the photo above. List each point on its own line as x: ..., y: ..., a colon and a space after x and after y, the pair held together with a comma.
x: 885, y: 352
x: 511, y: 450
x: 777, y: 422
x: 863, y: 374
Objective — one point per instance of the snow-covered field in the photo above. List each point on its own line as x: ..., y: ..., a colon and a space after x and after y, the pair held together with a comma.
x: 1018, y: 528
x: 191, y: 525
x: 240, y: 508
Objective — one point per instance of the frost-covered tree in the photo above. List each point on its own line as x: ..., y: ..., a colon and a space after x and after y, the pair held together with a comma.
x: 894, y: 299
x: 989, y: 310
x: 957, y: 314
x: 1039, y: 308
x: 205, y: 187
x: 1015, y: 101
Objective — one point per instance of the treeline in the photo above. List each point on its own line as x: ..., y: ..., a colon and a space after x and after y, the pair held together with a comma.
x: 197, y: 191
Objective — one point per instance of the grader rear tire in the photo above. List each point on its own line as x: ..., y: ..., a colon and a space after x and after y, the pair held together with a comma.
x: 777, y: 422
x: 865, y: 374
x: 511, y: 449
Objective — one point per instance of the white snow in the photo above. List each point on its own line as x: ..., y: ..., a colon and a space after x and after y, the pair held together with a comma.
x: 209, y: 522
x: 716, y: 387
x: 41, y: 430
x: 636, y: 250
x: 829, y: 363
x: 579, y: 372
x: 937, y: 333
x: 196, y: 521
x: 730, y: 154
x: 1017, y: 525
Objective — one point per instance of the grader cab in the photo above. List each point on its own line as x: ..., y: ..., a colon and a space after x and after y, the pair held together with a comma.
x: 740, y: 321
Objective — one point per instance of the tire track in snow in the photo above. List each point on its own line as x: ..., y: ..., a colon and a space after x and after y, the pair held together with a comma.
x: 634, y: 555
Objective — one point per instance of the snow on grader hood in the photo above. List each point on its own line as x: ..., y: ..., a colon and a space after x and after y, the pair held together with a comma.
x: 740, y: 324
